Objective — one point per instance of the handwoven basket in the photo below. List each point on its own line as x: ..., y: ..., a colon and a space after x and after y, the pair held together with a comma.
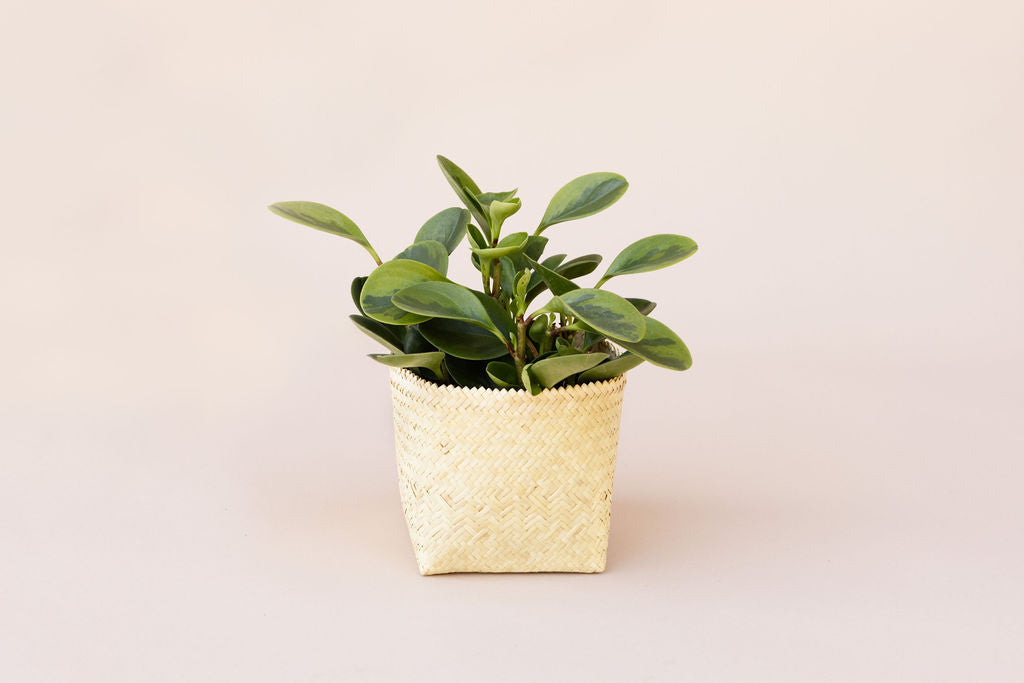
x: 502, y: 481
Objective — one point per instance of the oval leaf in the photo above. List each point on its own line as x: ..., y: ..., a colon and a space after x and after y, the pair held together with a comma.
x: 323, y: 217
x: 389, y: 278
x: 462, y: 340
x: 650, y: 253
x: 607, y: 313
x: 445, y: 300
x: 642, y: 305
x: 379, y: 332
x: 551, y: 371
x: 579, y: 266
x: 429, y: 252
x: 447, y: 227
x: 582, y: 197
x: 660, y: 346
x: 464, y: 187
x: 502, y: 374
x: 431, y: 360
x: 611, y: 368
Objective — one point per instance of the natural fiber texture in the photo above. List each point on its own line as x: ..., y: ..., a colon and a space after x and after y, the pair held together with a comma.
x: 502, y: 481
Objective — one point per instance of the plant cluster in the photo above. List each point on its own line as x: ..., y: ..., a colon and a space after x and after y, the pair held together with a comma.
x: 495, y: 337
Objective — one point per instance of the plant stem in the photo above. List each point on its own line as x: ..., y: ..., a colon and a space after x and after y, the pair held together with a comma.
x: 520, y: 347
x: 496, y: 275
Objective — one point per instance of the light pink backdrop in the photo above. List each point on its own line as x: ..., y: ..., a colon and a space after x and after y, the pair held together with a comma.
x: 197, y: 479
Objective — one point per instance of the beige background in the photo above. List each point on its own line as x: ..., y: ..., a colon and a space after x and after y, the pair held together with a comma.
x: 197, y: 479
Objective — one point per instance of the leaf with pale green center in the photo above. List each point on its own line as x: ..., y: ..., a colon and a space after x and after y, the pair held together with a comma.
x: 389, y: 278
x: 551, y: 371
x: 583, y: 197
x: 607, y: 313
x: 323, y: 217
x: 445, y: 300
x: 660, y: 346
x: 502, y: 374
x: 462, y: 339
x: 650, y: 253
x: 511, y: 244
x: 379, y: 332
x: 642, y: 305
x: 447, y: 227
x: 464, y: 187
x: 429, y: 252
x: 431, y: 360
x: 611, y: 368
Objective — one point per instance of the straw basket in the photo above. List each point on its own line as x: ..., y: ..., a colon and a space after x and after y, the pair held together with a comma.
x: 502, y: 481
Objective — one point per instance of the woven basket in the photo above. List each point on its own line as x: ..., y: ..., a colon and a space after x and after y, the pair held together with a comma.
x: 502, y: 481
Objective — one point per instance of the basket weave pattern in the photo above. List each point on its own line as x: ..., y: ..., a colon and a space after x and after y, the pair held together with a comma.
x: 502, y: 481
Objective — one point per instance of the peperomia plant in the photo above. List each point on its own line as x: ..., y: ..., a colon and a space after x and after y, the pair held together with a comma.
x: 496, y: 336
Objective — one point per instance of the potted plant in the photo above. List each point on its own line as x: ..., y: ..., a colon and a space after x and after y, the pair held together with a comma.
x: 506, y: 411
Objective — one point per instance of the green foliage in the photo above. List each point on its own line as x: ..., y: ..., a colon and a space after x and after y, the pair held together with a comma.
x: 583, y: 197
x: 490, y: 338
x: 323, y: 217
x: 447, y: 227
x: 650, y: 253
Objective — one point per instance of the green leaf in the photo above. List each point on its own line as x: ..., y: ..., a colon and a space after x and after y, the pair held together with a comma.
x: 379, y: 332
x: 429, y: 252
x: 650, y: 253
x: 555, y: 282
x: 611, y: 368
x: 464, y: 187
x: 476, y: 238
x: 511, y: 244
x: 508, y: 273
x: 498, y: 315
x: 583, y: 197
x: 642, y: 305
x: 551, y: 371
x: 462, y: 339
x: 660, y: 345
x: 468, y: 373
x: 538, y: 329
x: 502, y: 374
x: 485, y: 198
x: 579, y: 266
x: 447, y: 227
x: 498, y: 211
x: 445, y: 300
x: 415, y: 342
x: 431, y: 360
x: 323, y: 217
x: 536, y: 283
x: 530, y: 383
x: 356, y: 289
x: 607, y: 313
x: 551, y: 262
x: 387, y: 279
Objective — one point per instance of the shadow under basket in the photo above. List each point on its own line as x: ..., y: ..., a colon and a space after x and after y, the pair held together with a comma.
x: 497, y: 480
